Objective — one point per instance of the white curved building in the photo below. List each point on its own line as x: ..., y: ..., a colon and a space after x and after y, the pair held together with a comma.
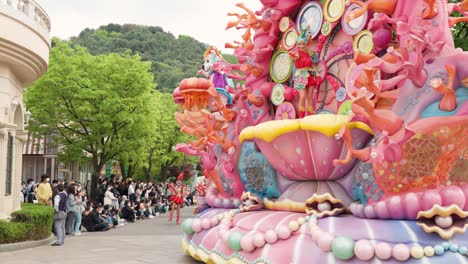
x: 24, y: 56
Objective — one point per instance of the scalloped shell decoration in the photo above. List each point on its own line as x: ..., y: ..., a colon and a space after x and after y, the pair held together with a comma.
x: 333, y: 206
x: 426, y: 219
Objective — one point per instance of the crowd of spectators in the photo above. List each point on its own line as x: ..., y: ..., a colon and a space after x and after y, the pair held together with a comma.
x: 117, y: 203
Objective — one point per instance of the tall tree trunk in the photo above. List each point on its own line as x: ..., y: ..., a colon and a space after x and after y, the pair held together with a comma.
x: 122, y: 170
x: 130, y: 171
x: 94, y: 184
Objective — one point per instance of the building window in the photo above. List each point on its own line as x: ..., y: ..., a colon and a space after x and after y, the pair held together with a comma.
x: 9, y: 165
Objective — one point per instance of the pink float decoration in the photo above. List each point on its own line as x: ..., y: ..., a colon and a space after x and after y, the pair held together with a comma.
x: 377, y: 132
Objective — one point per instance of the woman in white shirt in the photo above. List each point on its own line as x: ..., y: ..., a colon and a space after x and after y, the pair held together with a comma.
x: 109, y: 197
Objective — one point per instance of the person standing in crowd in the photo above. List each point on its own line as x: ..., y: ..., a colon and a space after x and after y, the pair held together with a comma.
x: 32, y: 198
x: 71, y: 206
x: 44, y: 191
x: 131, y: 191
x: 79, y: 210
x: 102, y: 188
x: 55, y: 183
x: 60, y: 208
x: 29, y: 183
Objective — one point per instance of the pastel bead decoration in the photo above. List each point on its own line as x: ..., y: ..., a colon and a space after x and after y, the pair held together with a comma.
x: 463, y: 250
x: 429, y: 251
x: 445, y: 245
x: 439, y: 250
x: 187, y: 226
x: 454, y: 247
x: 220, y: 217
x: 283, y: 232
x: 364, y: 250
x: 214, y: 221
x: 417, y: 252
x: 383, y: 251
x: 259, y: 240
x: 343, y: 247
x: 271, y: 237
x: 234, y: 240
x: 293, y: 226
x: 316, y: 233
x: 325, y: 242
x: 401, y: 252
x: 206, y: 223
x: 301, y: 221
x: 247, y: 243
x: 196, y: 225
x: 226, y: 223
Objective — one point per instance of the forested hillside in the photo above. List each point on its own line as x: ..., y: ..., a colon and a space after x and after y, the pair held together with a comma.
x: 172, y: 58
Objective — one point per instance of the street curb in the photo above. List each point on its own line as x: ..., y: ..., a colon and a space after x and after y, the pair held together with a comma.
x: 26, y: 244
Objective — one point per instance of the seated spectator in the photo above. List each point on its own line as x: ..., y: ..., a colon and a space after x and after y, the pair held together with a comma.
x: 108, y: 214
x: 127, y: 212
x: 92, y: 220
x: 122, y: 202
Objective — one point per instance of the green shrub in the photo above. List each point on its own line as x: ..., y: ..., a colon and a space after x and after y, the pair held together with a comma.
x: 32, y: 222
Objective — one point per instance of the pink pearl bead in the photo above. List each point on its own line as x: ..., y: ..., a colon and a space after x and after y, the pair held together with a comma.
x: 325, y: 242
x: 383, y: 251
x: 283, y: 232
x: 364, y: 250
x: 226, y: 223
x: 317, y: 233
x: 247, y: 243
x: 196, y: 226
x: 259, y: 240
x: 401, y: 252
x: 214, y: 221
x: 205, y: 223
x: 271, y: 237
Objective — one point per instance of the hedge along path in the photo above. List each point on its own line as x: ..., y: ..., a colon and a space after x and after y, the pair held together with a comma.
x: 32, y: 222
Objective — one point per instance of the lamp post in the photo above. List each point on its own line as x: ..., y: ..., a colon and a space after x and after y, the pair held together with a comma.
x: 27, y: 116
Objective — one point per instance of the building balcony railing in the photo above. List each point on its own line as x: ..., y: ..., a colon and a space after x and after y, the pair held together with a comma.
x: 31, y: 9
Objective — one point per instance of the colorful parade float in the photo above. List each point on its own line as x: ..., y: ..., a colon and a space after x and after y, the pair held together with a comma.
x: 340, y: 136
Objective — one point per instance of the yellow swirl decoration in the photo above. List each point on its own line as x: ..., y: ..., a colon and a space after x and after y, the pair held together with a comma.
x: 326, y: 124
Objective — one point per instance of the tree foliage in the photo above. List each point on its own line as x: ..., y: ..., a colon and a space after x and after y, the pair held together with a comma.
x: 173, y: 59
x: 97, y: 104
x: 460, y: 31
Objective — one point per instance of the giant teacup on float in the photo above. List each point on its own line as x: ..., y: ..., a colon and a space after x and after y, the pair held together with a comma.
x: 304, y: 149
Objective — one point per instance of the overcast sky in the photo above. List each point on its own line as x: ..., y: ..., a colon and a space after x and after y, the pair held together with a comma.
x: 205, y: 20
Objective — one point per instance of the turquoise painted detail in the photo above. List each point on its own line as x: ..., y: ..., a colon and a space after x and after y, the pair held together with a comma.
x: 433, y: 109
x: 256, y: 173
x: 225, y: 93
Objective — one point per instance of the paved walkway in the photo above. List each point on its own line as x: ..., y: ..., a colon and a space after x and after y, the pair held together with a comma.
x: 145, y: 241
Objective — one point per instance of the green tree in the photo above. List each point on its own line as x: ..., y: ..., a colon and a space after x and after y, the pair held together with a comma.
x: 460, y: 31
x: 96, y: 104
x: 173, y: 59
x: 161, y: 155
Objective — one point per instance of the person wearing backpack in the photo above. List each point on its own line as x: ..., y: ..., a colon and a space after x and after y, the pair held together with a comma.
x: 60, y: 214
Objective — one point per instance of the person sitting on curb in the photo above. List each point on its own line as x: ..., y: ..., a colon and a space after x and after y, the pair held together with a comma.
x: 92, y: 220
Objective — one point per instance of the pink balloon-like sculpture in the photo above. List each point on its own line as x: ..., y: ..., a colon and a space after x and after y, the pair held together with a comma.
x: 386, y: 137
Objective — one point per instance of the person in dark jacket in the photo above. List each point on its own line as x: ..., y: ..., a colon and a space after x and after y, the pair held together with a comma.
x: 127, y: 212
x: 92, y: 222
x: 60, y: 208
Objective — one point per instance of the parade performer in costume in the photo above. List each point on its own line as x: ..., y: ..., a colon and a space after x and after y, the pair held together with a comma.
x: 303, y: 80
x: 177, y: 197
